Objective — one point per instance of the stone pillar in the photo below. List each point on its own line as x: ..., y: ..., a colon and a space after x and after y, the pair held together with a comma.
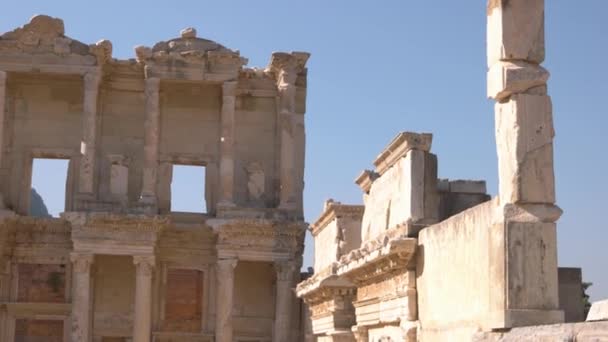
x: 82, y: 297
x: 151, y: 141
x: 224, y: 301
x: 524, y: 141
x: 286, y: 84
x: 227, y: 144
x: 142, y: 324
x: 3, y: 77
x: 286, y: 68
x: 92, y: 81
x: 284, y: 300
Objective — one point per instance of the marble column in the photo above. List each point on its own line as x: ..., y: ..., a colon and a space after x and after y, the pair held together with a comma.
x: 284, y: 300
x: 82, y: 297
x: 224, y: 301
x: 151, y: 140
x: 227, y: 144
x: 142, y: 323
x: 3, y: 77
x: 92, y: 81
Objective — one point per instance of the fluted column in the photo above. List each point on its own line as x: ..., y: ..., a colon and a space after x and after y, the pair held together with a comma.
x: 227, y: 144
x: 3, y: 76
x: 82, y: 297
x: 142, y: 324
x: 224, y: 300
x: 151, y: 140
x: 92, y: 81
x: 284, y: 300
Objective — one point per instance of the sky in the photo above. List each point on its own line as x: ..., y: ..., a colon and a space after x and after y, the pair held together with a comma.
x: 381, y: 67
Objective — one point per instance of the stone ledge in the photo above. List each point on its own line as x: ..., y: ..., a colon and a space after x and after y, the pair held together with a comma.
x: 400, y: 146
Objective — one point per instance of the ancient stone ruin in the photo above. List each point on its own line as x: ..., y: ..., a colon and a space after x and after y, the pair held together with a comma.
x: 120, y: 264
x: 424, y: 259
x: 438, y: 260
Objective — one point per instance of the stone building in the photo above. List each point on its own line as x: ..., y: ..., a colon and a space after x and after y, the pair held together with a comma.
x: 119, y: 264
x: 437, y: 260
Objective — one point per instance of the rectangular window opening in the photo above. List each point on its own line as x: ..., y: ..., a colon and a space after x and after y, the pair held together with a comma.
x: 49, y: 187
x: 188, y: 189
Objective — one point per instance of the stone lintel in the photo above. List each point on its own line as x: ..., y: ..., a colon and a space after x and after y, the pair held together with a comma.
x: 39, y: 309
x: 365, y: 180
x: 400, y: 146
x: 333, y: 210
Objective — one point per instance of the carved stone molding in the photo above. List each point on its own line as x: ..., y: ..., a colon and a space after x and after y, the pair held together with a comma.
x: 82, y: 262
x: 144, y: 264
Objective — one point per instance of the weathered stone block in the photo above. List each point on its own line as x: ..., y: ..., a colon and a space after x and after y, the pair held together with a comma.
x: 599, y: 311
x: 524, y: 135
x: 516, y: 30
x: 508, y: 78
x: 532, y: 266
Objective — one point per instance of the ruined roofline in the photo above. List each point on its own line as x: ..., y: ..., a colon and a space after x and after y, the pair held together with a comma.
x: 334, y: 210
x: 45, y: 35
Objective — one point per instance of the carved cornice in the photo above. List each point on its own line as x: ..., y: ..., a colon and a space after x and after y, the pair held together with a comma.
x: 365, y: 180
x: 377, y: 259
x: 261, y: 234
x: 398, y: 148
x: 335, y: 210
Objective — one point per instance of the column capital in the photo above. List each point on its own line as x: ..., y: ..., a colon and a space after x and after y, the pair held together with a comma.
x: 92, y: 79
x: 229, y: 88
x: 284, y: 270
x: 226, y: 265
x: 82, y: 261
x: 144, y: 264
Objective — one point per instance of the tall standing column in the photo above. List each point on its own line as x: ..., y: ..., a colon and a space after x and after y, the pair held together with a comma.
x: 524, y: 140
x: 142, y: 325
x: 151, y: 140
x: 227, y: 144
x: 224, y: 300
x: 92, y: 81
x: 284, y: 299
x: 82, y: 298
x: 2, y: 115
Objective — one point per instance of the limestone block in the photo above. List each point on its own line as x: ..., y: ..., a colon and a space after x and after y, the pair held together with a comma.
x: 599, y: 311
x: 516, y: 30
x: 532, y: 282
x: 468, y: 186
x: 188, y: 32
x: 524, y: 135
x: 507, y: 78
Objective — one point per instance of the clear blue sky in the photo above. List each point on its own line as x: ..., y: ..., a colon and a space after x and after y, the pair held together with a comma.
x: 382, y: 67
